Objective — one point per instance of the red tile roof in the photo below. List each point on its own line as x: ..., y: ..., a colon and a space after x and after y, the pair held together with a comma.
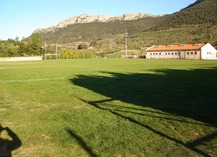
x: 140, y: 54
x: 181, y: 47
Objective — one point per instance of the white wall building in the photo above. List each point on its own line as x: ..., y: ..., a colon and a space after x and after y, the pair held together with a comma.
x: 183, y: 51
x: 208, y: 52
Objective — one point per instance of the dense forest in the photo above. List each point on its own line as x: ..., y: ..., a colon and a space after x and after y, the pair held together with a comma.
x: 197, y: 23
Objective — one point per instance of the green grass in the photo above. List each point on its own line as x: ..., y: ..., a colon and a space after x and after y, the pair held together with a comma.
x: 111, y: 107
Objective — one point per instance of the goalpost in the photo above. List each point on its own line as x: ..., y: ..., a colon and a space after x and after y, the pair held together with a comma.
x: 50, y: 54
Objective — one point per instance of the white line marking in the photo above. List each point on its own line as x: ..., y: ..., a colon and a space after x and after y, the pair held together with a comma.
x: 32, y: 80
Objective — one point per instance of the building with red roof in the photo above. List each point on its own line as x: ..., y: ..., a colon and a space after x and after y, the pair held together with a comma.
x: 183, y: 51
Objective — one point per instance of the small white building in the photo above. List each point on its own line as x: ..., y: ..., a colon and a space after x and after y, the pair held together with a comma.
x: 183, y: 51
x: 208, y: 52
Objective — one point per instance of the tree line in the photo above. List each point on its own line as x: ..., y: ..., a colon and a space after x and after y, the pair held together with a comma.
x: 25, y: 47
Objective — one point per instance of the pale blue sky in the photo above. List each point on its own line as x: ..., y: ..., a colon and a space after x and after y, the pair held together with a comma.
x: 19, y: 18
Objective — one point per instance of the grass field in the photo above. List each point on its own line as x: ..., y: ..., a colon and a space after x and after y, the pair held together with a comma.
x: 110, y: 107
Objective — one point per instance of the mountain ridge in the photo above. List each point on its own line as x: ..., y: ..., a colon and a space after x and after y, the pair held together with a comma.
x: 195, y: 23
x: 88, y: 18
x: 195, y: 3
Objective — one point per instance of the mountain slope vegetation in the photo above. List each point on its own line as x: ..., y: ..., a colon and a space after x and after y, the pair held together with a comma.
x: 195, y: 23
x: 200, y: 12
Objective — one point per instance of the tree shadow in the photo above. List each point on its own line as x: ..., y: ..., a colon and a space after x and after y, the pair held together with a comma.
x: 188, y: 93
x: 189, y: 145
x: 81, y: 142
x: 7, y: 145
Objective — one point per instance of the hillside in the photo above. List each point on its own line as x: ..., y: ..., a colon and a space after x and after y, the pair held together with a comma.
x: 200, y: 12
x: 195, y: 23
x: 96, y: 30
x: 87, y: 18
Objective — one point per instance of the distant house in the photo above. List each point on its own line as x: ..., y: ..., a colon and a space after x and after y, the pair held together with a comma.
x: 139, y: 55
x: 183, y: 51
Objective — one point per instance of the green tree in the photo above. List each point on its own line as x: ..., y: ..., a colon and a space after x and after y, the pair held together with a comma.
x: 36, y: 44
x: 23, y: 49
x: 17, y: 39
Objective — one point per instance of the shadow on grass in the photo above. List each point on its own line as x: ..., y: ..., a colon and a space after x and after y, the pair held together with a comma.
x: 190, y: 94
x: 81, y: 142
x: 8, y: 145
x: 190, y: 145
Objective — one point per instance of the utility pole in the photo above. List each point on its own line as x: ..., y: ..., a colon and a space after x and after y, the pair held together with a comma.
x: 56, y: 50
x: 110, y: 42
x: 44, y: 50
x: 125, y: 35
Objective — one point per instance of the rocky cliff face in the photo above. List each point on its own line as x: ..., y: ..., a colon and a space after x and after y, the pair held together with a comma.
x: 86, y: 18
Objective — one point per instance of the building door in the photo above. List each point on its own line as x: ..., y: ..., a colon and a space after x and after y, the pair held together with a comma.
x: 182, y: 55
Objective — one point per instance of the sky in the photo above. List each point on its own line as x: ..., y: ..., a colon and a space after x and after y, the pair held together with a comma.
x: 19, y: 18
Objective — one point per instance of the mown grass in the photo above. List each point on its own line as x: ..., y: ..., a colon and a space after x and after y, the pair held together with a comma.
x: 111, y: 107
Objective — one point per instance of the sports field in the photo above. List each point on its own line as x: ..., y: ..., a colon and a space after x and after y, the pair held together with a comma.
x: 110, y: 107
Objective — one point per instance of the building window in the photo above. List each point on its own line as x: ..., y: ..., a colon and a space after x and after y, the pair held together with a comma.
x: 192, y: 53
x: 159, y: 53
x: 187, y: 53
x: 195, y: 52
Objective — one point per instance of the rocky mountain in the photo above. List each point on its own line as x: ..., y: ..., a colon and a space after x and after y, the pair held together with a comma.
x: 87, y: 18
x: 192, y: 24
